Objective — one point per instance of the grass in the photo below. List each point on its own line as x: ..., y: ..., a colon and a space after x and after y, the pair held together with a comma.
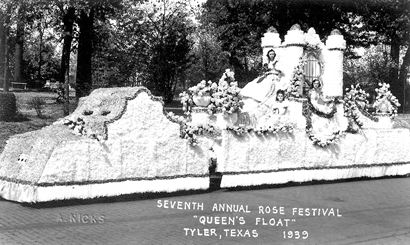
x: 28, y: 119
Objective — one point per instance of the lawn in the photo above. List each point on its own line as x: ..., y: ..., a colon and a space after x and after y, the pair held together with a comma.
x: 52, y: 111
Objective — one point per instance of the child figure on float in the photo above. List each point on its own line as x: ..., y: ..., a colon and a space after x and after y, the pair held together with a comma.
x: 274, y: 111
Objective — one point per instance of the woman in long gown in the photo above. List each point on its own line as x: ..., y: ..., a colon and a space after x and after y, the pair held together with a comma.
x: 324, y: 123
x: 317, y: 100
x: 264, y: 86
x: 260, y: 89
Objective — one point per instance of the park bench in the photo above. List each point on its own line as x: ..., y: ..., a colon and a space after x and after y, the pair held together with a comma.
x: 19, y: 85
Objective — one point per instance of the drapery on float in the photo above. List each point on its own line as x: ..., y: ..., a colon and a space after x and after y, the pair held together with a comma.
x: 120, y: 141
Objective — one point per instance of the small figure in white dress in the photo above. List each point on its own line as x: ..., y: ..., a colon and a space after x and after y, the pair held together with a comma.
x: 274, y: 112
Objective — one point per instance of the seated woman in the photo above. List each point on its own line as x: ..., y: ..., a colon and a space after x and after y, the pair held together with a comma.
x: 316, y: 98
x: 324, y: 124
x: 263, y: 86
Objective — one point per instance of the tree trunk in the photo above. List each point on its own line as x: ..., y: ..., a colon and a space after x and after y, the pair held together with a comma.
x: 4, y: 51
x: 18, y: 65
x: 68, y: 21
x: 405, y: 93
x: 40, y: 56
x: 2, y: 48
x: 85, y: 51
x: 395, y: 84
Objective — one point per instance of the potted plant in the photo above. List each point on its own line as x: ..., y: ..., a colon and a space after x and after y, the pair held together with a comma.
x: 201, y: 93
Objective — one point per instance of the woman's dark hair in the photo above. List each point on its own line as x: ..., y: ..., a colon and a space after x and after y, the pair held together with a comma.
x: 313, y: 82
x: 267, y: 54
x: 280, y: 92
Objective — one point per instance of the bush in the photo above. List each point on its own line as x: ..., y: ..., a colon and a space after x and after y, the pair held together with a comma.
x: 37, y: 103
x: 8, y: 106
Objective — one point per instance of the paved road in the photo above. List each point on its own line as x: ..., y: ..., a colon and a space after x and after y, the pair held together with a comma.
x: 373, y: 212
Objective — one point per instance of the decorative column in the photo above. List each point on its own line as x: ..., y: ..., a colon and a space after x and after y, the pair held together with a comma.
x: 333, y: 74
x: 292, y: 52
x: 270, y: 40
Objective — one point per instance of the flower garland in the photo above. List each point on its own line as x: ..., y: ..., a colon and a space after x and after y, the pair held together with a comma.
x: 241, y: 130
x: 385, y: 98
x: 351, y: 106
x: 307, y: 111
x: 190, y: 132
x: 321, y: 113
x: 323, y: 143
x: 297, y: 79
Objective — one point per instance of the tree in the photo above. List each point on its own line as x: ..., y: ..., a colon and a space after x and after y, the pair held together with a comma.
x: 5, y: 19
x: 208, y: 60
x: 167, y: 30
x: 240, y: 25
x: 18, y: 62
x: 390, y: 20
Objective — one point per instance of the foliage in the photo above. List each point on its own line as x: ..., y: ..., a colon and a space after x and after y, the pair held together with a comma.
x: 369, y: 70
x: 37, y: 103
x: 208, y: 60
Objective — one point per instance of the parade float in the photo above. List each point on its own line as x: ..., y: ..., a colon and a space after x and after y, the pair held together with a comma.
x: 121, y: 141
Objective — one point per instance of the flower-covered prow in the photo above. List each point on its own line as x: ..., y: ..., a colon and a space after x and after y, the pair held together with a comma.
x: 386, y: 102
x: 226, y: 98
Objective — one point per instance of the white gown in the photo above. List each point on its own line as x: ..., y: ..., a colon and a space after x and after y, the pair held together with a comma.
x: 264, y: 86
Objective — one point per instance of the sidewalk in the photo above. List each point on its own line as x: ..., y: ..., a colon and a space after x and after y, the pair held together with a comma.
x: 373, y: 212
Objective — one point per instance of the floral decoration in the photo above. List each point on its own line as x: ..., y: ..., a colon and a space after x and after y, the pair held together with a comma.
x: 241, y: 130
x: 225, y: 95
x: 356, y: 103
x: 307, y: 111
x: 190, y: 132
x: 386, y: 98
x: 297, y: 79
x: 325, y: 142
x: 226, y: 98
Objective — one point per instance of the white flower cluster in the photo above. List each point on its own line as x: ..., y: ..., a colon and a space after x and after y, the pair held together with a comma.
x: 224, y: 94
x: 354, y: 99
x: 386, y: 98
x: 226, y: 98
x: 297, y: 78
x: 186, y: 101
x: 202, y: 88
